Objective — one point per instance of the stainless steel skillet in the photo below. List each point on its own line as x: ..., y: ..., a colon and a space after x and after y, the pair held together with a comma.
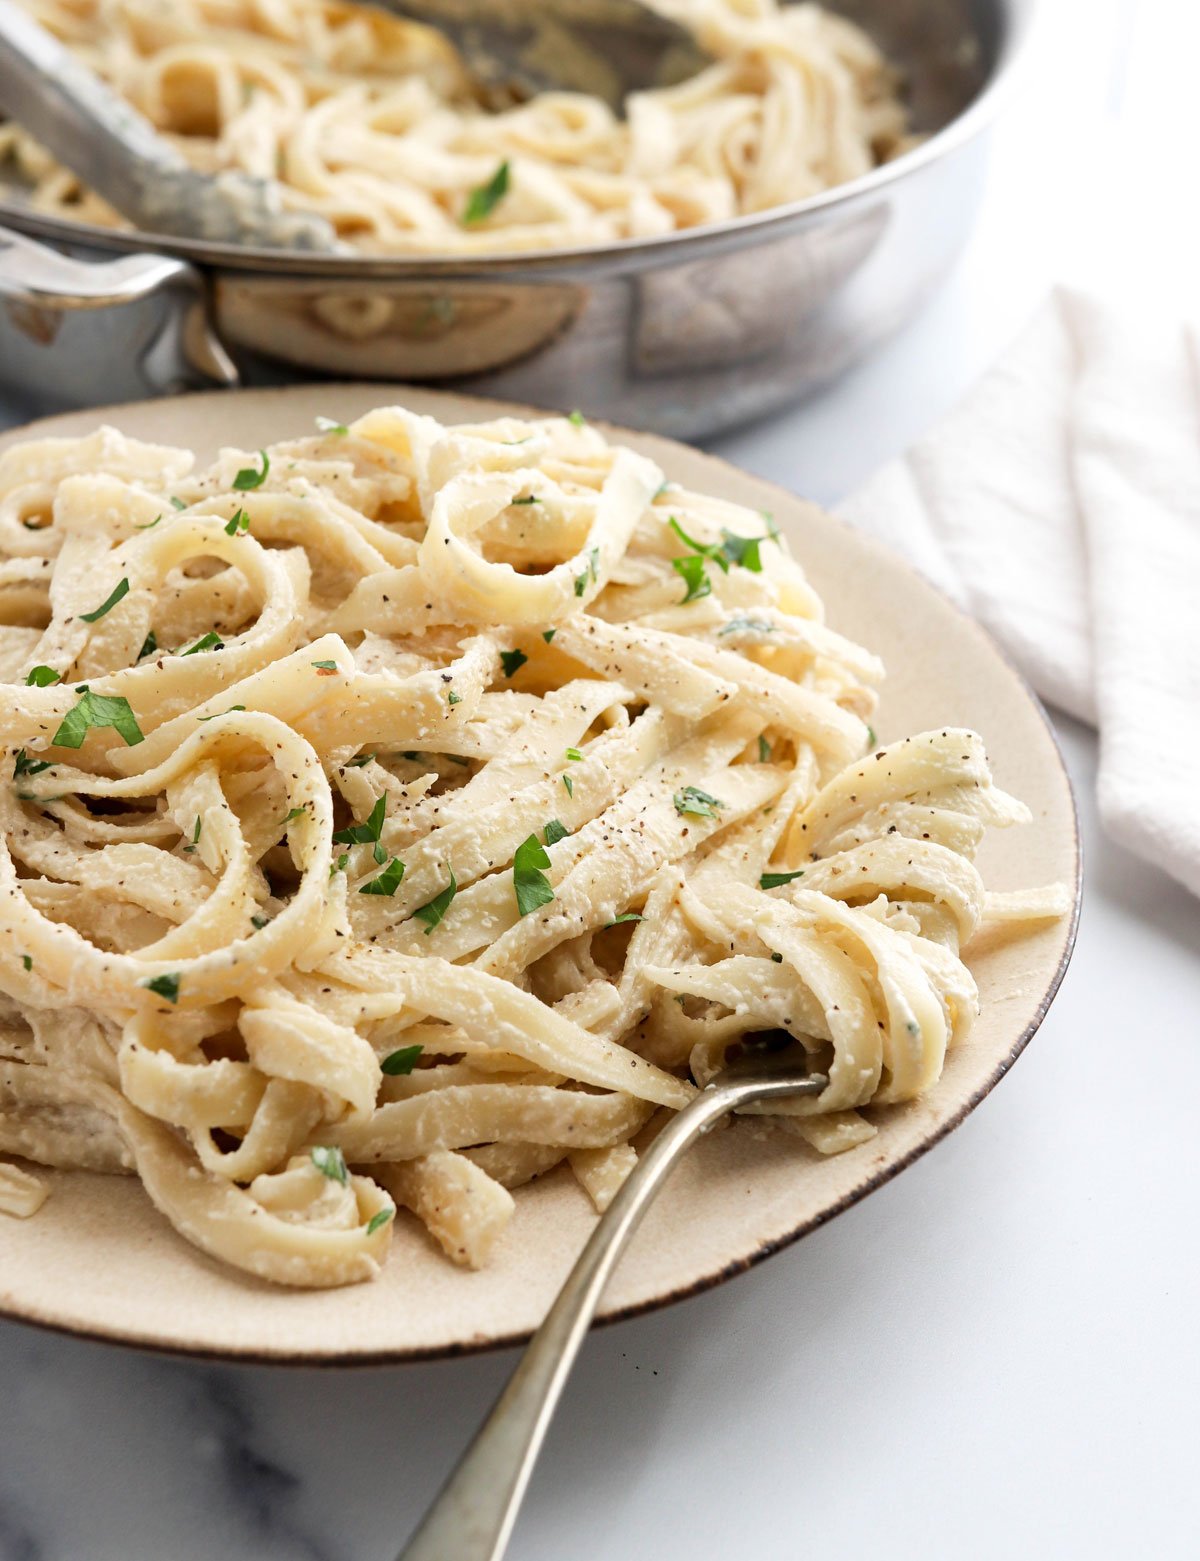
x: 686, y: 334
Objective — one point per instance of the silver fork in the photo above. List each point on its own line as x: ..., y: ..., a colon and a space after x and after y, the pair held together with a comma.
x: 472, y: 1518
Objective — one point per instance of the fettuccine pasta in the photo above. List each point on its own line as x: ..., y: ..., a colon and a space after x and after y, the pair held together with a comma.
x: 371, y: 122
x: 396, y: 813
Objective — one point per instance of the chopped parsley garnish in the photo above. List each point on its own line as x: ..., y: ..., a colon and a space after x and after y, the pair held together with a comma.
x: 548, y: 634
x: 27, y: 961
x: 777, y: 880
x: 178, y: 504
x: 871, y: 737
x: 742, y: 550
x: 118, y: 591
x: 590, y: 573
x: 149, y: 646
x: 42, y: 677
x: 577, y: 418
x: 569, y: 784
x: 248, y: 479
x: 199, y: 825
x: 625, y: 916
x: 367, y: 833
x: 149, y: 525
x: 690, y: 799
x: 773, y: 530
x: 378, y: 1221
x: 388, y: 880
x: 484, y: 198
x: 357, y: 764
x: 748, y: 626
x: 239, y: 521
x: 24, y: 765
x: 433, y: 913
x: 210, y: 641
x: 695, y: 577
x: 403, y: 1060
x: 529, y: 499
x: 216, y: 713
x: 292, y: 815
x: 453, y: 699
x: 530, y: 883
x: 512, y: 661
x: 331, y: 1163
x: 327, y: 425
x: 555, y: 831
x: 326, y: 666
x: 732, y: 549
x: 764, y: 750
x: 97, y: 710
x: 574, y: 755
x: 340, y: 865
x: 164, y: 986
x: 259, y: 922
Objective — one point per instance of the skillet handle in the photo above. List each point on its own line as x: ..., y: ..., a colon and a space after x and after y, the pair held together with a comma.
x: 83, y: 331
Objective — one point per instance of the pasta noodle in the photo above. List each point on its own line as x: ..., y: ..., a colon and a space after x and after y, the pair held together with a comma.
x: 370, y: 122
x: 400, y: 811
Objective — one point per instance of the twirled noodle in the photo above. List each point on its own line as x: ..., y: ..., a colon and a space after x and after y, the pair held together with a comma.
x: 403, y: 810
x: 371, y: 122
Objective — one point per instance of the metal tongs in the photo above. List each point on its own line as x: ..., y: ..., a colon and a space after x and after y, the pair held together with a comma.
x: 604, y: 47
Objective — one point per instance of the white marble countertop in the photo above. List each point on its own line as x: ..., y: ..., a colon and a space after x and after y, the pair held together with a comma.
x: 993, y: 1356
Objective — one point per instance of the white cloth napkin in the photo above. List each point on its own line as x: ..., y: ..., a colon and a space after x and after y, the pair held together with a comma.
x: 1060, y: 504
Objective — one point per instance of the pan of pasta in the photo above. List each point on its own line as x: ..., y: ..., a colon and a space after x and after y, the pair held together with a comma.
x: 730, y: 243
x: 409, y: 806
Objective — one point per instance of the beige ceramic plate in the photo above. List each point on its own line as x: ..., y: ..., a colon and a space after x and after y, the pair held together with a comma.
x: 99, y: 1260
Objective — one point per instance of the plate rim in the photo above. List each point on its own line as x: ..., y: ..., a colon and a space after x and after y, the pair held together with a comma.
x: 870, y: 1183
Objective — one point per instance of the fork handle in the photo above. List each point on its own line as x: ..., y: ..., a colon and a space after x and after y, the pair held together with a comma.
x: 472, y: 1517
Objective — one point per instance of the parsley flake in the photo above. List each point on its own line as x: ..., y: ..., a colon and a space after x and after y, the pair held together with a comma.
x: 574, y: 755
x: 259, y: 922
x: 388, y: 880
x: 248, y: 479
x: 590, y: 573
x: 764, y: 750
x: 210, y: 641
x: 512, y: 661
x: 98, y: 710
x: 577, y: 419
x: 453, y: 699
x: 178, y: 504
x: 24, y: 765
x: 42, y: 677
x: 118, y: 591
x: 777, y: 880
x: 27, y: 961
x: 569, y: 784
x: 331, y: 1163
x: 149, y: 646
x: 625, y: 916
x: 747, y: 626
x: 325, y: 666
x: 529, y: 499
x: 216, y: 713
x: 378, y: 1221
x: 484, y: 199
x: 366, y: 833
x: 340, y: 865
x: 555, y: 831
x: 327, y: 425
x: 871, y: 737
x: 401, y: 1061
x: 695, y: 577
x: 530, y: 884
x: 432, y: 913
x: 690, y: 799
x: 548, y: 634
x: 239, y: 522
x: 293, y: 814
x: 357, y: 764
x: 164, y: 986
